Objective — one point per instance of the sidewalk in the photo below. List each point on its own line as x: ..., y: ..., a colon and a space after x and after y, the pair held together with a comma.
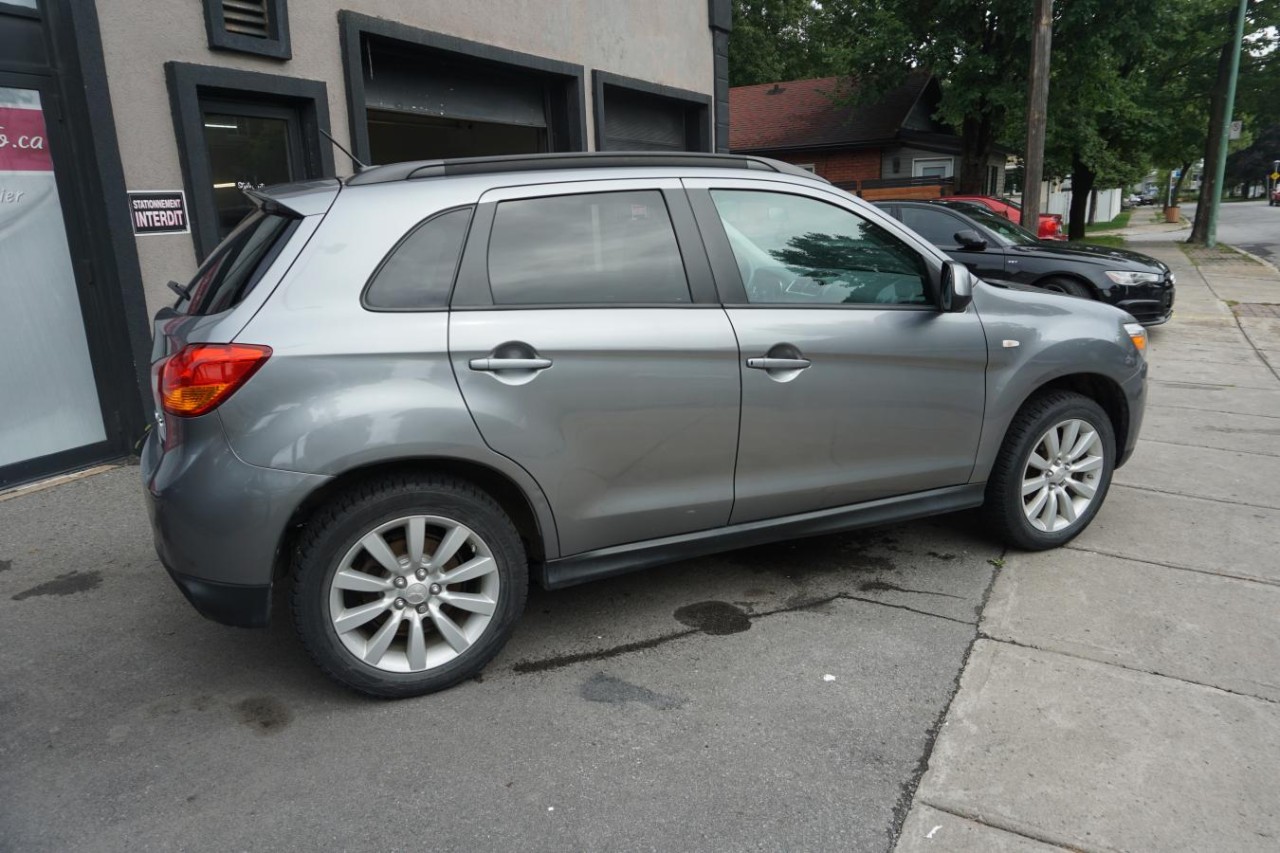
x: 1124, y: 692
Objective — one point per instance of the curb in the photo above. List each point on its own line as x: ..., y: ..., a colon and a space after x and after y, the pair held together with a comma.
x: 1266, y: 263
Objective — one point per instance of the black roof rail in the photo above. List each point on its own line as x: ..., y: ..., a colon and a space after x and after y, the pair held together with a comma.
x: 575, y: 160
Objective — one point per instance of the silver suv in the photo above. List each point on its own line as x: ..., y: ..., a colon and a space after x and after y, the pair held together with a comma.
x: 401, y: 396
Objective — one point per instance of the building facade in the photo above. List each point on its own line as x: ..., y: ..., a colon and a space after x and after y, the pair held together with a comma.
x: 128, y: 129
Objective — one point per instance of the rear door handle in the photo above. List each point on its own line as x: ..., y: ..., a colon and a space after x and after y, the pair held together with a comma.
x: 495, y: 364
x: 778, y: 363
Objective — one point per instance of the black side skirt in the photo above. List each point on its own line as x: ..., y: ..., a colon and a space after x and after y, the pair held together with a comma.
x: 620, y: 559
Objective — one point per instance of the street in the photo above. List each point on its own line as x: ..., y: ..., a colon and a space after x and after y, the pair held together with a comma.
x: 1249, y: 225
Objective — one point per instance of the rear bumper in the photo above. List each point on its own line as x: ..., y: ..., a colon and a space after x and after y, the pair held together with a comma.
x: 230, y: 604
x: 218, y: 522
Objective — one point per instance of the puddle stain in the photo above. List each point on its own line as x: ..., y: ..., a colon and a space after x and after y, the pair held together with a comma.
x: 69, y: 583
x: 614, y: 691
x: 939, y: 556
x: 6, y: 565
x: 264, y: 714
x: 713, y: 617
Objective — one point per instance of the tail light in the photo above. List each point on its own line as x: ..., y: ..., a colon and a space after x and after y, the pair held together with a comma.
x: 199, y: 377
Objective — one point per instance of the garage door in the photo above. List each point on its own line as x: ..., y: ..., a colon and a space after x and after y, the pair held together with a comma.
x: 636, y: 121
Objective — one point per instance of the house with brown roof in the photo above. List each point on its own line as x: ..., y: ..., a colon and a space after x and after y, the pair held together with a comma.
x: 892, y: 146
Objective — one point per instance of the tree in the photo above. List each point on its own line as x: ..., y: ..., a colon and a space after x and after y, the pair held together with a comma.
x: 774, y: 40
x: 977, y: 48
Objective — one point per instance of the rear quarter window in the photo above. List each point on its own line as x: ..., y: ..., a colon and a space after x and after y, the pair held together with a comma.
x: 418, y: 274
x: 234, y: 268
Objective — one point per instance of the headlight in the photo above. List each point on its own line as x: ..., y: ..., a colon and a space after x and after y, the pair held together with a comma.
x: 1126, y: 277
x: 1138, y: 335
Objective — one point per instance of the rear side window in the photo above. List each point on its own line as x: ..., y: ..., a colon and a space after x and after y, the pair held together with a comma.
x: 419, y: 272
x: 937, y: 227
x: 613, y: 247
x: 235, y: 267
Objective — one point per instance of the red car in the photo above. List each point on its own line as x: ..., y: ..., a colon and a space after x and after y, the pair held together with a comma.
x: 1050, y: 223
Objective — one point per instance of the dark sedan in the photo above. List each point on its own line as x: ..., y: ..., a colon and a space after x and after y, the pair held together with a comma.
x: 1004, y: 253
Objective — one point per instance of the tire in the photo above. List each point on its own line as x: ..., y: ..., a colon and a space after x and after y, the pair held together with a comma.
x: 1008, y: 513
x: 432, y: 643
x: 1069, y: 286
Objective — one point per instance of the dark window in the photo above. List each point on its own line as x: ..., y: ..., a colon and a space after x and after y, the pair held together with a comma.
x: 614, y: 247
x: 936, y: 226
x: 796, y: 250
x: 250, y: 146
x: 248, y: 26
x: 419, y: 272
x: 235, y: 267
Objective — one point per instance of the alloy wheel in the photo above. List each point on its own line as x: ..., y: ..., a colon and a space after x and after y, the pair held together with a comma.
x: 1061, y: 476
x: 414, y: 593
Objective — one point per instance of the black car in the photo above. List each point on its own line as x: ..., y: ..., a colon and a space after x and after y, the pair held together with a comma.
x: 1001, y: 252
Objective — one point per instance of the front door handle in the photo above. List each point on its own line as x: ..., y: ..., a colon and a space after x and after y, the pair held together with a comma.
x: 778, y: 363
x: 495, y: 364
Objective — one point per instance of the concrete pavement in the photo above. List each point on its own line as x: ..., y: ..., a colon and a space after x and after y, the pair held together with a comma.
x: 1125, y: 691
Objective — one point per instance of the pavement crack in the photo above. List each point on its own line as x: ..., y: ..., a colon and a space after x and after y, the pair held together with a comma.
x: 560, y: 661
x: 1102, y: 553
x: 907, y: 790
x: 982, y: 635
x: 1210, y: 447
x: 983, y: 820
x: 1114, y: 485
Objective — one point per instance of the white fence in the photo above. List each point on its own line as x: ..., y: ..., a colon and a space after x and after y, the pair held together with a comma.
x: 1107, y: 205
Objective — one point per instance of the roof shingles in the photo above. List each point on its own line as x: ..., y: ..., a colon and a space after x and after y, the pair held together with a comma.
x: 812, y: 113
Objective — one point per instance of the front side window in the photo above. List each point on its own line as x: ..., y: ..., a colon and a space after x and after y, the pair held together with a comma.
x: 596, y: 248
x: 797, y: 250
x: 236, y: 265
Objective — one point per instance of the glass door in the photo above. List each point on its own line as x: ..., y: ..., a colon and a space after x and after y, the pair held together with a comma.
x: 51, y: 415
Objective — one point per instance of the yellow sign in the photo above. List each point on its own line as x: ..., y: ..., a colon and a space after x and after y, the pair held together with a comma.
x: 1275, y: 176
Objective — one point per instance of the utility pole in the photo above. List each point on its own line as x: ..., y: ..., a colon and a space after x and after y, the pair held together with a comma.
x: 1037, y: 113
x: 1228, y: 107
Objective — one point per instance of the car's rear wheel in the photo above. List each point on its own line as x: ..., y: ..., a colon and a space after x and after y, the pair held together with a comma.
x: 1053, y: 471
x: 408, y: 585
x: 1070, y: 287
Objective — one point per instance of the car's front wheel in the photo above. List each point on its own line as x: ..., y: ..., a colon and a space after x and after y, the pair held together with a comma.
x: 408, y: 585
x: 1053, y: 471
x: 1068, y: 286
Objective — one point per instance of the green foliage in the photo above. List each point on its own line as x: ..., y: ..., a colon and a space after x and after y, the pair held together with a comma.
x: 776, y: 40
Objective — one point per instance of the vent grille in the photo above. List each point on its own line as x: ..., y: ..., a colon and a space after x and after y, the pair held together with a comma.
x: 247, y: 18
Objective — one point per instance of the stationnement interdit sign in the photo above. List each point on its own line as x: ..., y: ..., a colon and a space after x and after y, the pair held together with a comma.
x: 159, y: 212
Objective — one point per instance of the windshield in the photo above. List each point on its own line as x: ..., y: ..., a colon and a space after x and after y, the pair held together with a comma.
x: 1015, y: 234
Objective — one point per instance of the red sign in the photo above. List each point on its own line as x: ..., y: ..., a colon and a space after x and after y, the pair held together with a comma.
x: 24, y: 145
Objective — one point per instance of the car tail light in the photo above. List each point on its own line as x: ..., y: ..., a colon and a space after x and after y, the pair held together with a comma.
x: 199, y: 377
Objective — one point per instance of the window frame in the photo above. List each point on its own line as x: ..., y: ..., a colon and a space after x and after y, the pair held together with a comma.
x: 457, y: 265
x: 277, y: 46
x: 728, y: 278
x: 191, y: 85
x: 472, y: 290
x: 917, y: 167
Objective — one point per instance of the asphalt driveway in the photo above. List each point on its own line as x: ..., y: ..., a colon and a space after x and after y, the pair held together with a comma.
x: 784, y: 696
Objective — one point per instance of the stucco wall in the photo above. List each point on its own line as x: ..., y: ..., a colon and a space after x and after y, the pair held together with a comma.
x: 660, y: 41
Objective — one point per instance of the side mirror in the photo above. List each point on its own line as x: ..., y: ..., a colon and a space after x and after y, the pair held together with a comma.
x: 970, y: 239
x: 955, y: 290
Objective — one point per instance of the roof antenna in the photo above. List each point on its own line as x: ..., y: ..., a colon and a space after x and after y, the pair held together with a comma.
x: 360, y: 167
